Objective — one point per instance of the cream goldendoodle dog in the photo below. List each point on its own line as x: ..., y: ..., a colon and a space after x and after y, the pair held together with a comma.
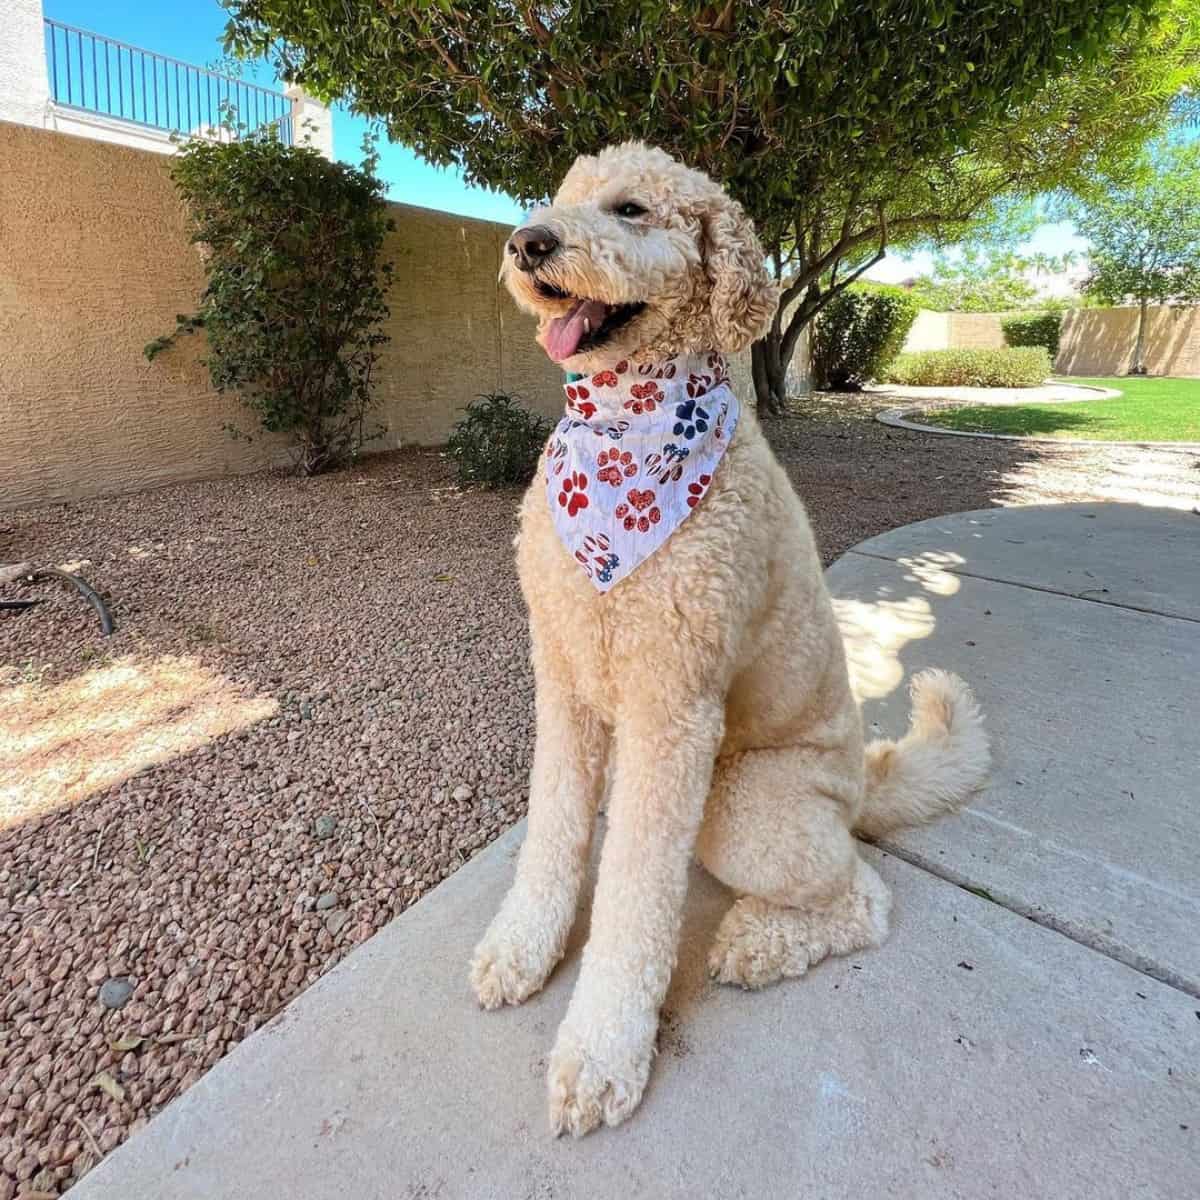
x: 683, y: 642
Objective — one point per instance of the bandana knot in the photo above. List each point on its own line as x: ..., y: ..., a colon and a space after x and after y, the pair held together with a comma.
x: 633, y: 455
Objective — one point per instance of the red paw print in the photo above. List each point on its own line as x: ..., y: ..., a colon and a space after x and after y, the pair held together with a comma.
x: 698, y: 385
x: 577, y: 399
x: 605, y: 379
x: 646, y: 398
x: 615, y: 467
x: 571, y: 497
x: 696, y: 490
x: 645, y: 512
x: 622, y: 366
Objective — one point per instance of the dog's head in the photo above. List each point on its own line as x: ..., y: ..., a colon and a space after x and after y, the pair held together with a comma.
x: 638, y: 257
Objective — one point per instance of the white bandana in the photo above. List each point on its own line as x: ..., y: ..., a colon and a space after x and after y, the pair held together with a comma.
x: 633, y: 456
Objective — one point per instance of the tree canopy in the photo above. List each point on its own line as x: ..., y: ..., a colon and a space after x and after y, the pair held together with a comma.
x: 841, y: 127
x: 975, y: 281
x: 1144, y: 233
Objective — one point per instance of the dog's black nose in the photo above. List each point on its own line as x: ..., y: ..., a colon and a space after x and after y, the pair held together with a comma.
x: 531, y: 246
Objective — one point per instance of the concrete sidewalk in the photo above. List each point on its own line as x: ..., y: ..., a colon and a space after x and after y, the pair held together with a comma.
x: 1051, y: 392
x: 1030, y: 1030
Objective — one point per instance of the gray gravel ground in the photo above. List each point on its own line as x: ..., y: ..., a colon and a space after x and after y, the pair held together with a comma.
x: 148, y: 927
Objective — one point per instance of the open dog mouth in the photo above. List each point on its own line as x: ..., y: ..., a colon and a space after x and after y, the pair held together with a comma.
x: 587, y: 325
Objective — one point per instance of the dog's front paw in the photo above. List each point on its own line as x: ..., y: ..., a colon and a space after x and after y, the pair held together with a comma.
x: 592, y: 1080
x: 511, y: 963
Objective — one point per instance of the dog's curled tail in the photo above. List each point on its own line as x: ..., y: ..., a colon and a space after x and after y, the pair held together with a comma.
x: 935, y: 767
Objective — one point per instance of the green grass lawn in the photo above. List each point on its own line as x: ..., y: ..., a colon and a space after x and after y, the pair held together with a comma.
x: 1148, y: 410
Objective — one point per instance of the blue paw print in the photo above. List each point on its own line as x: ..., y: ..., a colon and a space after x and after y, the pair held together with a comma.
x: 691, y: 419
x: 604, y: 574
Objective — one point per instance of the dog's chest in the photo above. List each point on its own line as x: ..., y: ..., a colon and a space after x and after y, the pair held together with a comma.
x: 602, y: 644
x: 646, y: 642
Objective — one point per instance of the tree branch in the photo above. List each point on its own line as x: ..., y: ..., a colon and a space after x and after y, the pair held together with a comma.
x: 534, y: 24
x: 810, y: 307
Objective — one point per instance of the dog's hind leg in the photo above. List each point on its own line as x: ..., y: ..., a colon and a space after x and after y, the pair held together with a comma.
x: 770, y: 834
x: 529, y: 934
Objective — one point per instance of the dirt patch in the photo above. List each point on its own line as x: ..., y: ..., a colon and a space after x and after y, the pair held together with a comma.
x: 317, y: 705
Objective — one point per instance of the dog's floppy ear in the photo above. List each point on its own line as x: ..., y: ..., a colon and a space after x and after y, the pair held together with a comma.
x: 742, y: 297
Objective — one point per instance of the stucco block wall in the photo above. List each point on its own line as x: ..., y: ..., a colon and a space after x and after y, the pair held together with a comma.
x: 1095, y: 341
x: 976, y: 331
x: 955, y: 330
x: 455, y: 332
x: 1100, y: 341
x: 929, y: 331
x: 94, y: 262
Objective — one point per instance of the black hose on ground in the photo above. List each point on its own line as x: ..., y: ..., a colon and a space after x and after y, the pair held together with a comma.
x: 88, y: 593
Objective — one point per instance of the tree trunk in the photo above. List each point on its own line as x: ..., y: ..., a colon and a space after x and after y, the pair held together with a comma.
x: 769, y: 365
x: 1139, y: 349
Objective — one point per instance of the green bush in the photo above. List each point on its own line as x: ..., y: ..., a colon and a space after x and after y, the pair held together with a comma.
x: 858, y: 333
x: 1034, y: 329
x: 497, y: 441
x: 295, y: 288
x: 1027, y: 366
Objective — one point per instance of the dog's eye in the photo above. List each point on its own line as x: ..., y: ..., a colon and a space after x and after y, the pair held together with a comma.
x: 630, y: 209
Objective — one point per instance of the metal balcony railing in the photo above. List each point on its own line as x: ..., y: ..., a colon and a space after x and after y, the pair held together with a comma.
x: 99, y: 75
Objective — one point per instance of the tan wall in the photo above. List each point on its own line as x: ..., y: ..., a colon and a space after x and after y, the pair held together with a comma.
x: 94, y: 262
x: 1095, y: 341
x: 1100, y: 341
x: 955, y: 330
x: 976, y: 331
x: 930, y: 331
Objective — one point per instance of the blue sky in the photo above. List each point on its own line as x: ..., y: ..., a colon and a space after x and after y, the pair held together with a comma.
x: 191, y: 30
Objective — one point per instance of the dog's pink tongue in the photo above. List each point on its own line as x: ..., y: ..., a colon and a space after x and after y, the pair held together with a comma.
x: 564, y: 334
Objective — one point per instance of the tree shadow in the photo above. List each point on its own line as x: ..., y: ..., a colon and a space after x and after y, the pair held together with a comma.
x: 858, y: 477
x: 1015, y: 419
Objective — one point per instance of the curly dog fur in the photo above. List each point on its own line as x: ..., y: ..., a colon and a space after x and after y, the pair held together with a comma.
x: 722, y: 712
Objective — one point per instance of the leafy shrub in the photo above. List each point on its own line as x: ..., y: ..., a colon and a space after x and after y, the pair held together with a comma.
x: 295, y: 287
x: 497, y: 441
x: 857, y: 334
x: 1027, y: 366
x: 1034, y: 329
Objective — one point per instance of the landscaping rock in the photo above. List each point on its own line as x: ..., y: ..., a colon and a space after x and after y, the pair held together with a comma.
x: 326, y: 901
x: 324, y: 826
x: 115, y: 993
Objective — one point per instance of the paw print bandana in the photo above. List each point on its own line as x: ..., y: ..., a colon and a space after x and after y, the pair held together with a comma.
x: 633, y: 456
